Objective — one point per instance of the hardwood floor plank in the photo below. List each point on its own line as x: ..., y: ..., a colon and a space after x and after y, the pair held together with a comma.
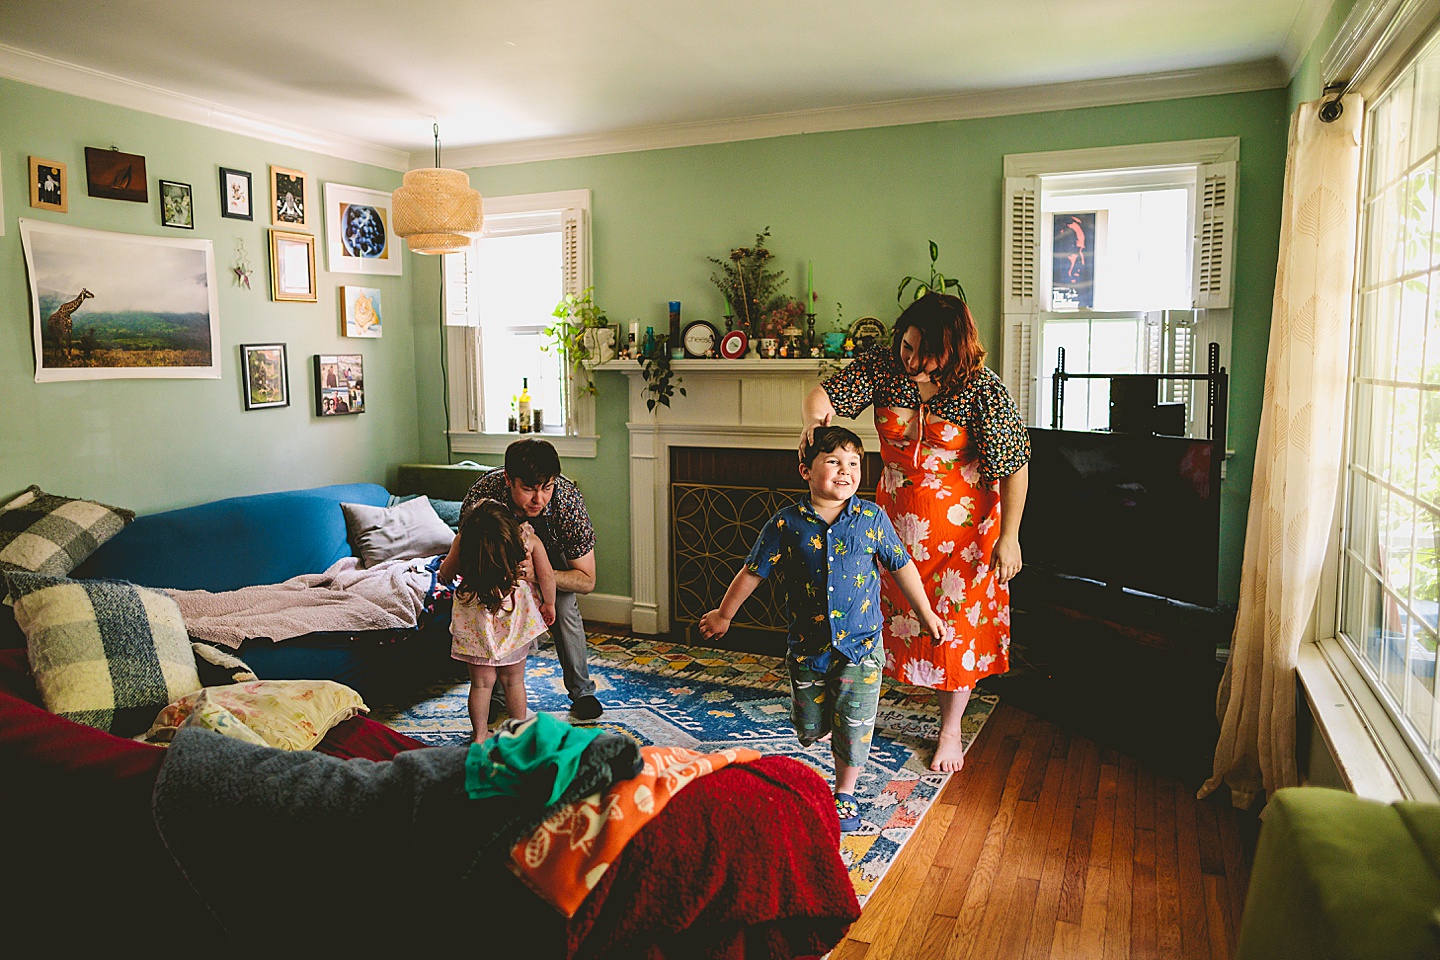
x: 1049, y: 846
x: 1194, y: 924
x: 1167, y: 872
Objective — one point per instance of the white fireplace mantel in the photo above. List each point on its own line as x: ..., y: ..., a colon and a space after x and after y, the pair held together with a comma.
x: 747, y: 404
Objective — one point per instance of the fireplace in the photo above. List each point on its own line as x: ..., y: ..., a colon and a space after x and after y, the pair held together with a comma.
x: 705, y: 473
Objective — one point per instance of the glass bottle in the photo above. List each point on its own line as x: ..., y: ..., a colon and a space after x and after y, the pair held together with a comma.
x: 647, y: 346
x: 525, y: 420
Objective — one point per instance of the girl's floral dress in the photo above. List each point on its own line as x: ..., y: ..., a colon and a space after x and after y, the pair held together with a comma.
x: 943, y: 460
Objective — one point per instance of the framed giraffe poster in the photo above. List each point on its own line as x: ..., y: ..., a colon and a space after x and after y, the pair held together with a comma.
x: 113, y: 305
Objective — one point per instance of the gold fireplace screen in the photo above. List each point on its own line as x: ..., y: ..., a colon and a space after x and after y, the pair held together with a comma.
x: 711, y: 532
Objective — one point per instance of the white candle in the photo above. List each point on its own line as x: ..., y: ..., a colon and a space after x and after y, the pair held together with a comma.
x: 635, y: 330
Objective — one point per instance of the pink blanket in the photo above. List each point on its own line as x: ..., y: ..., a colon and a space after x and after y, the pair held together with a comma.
x: 387, y: 596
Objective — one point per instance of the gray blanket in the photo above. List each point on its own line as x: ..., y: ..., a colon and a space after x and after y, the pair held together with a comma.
x: 268, y: 837
x: 387, y: 596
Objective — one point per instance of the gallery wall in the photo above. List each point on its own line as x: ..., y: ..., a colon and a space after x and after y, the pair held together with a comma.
x: 861, y: 206
x: 153, y: 444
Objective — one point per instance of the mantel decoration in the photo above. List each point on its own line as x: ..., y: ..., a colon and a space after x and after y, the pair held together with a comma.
x: 750, y: 287
x: 937, y: 282
x: 582, y: 334
x: 436, y: 210
x: 660, y: 381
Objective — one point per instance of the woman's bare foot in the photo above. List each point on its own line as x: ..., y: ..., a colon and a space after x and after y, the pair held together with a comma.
x: 949, y: 754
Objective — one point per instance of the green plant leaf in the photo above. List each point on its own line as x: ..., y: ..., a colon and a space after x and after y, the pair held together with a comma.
x: 934, y: 251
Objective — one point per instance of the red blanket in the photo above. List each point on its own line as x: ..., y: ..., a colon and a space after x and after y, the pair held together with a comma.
x: 742, y: 863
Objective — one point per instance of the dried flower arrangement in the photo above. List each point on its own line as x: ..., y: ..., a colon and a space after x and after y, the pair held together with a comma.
x: 751, y: 289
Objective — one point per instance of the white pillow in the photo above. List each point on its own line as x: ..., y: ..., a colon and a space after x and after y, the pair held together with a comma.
x: 406, y: 530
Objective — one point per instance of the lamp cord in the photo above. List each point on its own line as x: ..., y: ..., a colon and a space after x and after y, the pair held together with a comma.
x: 445, y: 365
x: 437, y: 144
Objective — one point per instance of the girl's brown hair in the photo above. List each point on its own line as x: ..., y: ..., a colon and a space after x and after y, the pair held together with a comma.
x: 947, y: 333
x: 491, y: 551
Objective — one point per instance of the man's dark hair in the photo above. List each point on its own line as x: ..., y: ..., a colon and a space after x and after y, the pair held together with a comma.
x: 827, y: 439
x: 533, y: 462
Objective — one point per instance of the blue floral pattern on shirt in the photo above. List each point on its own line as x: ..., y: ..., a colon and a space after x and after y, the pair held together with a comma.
x: 832, y: 583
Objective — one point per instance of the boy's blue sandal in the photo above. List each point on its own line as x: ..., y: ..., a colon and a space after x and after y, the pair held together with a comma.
x: 848, y: 811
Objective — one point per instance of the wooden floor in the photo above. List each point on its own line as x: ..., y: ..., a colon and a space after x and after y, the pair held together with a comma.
x: 1047, y: 845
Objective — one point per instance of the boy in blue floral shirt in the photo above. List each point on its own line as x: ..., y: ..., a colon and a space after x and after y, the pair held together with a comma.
x: 830, y: 547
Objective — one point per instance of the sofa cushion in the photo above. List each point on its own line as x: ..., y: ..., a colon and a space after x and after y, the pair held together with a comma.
x: 44, y: 533
x: 234, y: 543
x: 406, y: 530
x: 104, y: 653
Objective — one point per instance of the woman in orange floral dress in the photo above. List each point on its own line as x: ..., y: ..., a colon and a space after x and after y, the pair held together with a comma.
x: 956, y: 457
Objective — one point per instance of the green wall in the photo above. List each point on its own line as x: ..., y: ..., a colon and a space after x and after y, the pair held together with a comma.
x: 161, y: 443
x: 861, y: 205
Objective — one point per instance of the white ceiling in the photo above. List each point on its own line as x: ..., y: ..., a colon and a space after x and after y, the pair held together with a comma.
x: 514, y: 79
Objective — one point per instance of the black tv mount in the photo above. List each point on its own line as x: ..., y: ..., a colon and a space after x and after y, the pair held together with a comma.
x: 1215, y: 377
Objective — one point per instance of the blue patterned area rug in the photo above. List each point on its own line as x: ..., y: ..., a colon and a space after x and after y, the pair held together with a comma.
x: 676, y: 695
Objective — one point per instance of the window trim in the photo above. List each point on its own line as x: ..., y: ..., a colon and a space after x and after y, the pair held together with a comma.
x: 465, y: 368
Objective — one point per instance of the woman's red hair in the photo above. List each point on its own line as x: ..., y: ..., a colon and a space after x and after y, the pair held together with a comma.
x: 947, y: 333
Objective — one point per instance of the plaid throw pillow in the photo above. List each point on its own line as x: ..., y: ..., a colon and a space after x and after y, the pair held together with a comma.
x: 104, y: 653
x: 44, y: 533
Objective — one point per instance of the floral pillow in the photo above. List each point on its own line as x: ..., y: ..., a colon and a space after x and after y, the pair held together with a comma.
x: 286, y: 714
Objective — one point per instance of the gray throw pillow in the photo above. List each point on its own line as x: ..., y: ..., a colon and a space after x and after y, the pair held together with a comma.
x: 410, y: 529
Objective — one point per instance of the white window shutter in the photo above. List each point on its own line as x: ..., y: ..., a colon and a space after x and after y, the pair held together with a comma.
x: 1213, y: 274
x: 1020, y: 362
x: 457, y: 274
x: 575, y: 272
x: 1020, y: 260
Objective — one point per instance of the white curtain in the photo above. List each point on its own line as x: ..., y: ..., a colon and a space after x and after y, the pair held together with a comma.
x: 1298, y: 457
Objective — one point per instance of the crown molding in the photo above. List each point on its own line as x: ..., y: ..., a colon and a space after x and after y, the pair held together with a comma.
x: 1170, y: 85
x: 63, y: 77
x: 1374, y: 41
x: 1302, y: 33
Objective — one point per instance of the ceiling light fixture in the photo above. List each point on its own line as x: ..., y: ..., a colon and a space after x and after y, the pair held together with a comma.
x: 436, y: 210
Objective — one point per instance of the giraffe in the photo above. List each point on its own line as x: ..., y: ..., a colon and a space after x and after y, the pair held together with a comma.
x: 59, y: 322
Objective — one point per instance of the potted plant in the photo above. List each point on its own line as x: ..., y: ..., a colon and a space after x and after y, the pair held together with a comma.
x: 660, y: 380
x: 938, y: 282
x: 750, y: 287
x: 582, y: 335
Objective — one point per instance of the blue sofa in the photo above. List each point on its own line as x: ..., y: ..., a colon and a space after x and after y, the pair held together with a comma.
x: 269, y: 538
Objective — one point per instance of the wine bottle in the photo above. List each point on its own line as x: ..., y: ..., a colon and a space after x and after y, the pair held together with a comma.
x: 525, y: 421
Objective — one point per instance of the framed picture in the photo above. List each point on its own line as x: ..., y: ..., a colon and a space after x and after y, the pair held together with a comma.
x: 360, y: 311
x: 266, y: 375
x: 339, y: 384
x: 292, y: 266
x: 115, y: 175
x: 289, y: 197
x: 111, y: 305
x: 176, y: 209
x: 235, y: 195
x: 1073, y: 242
x: 357, y: 231
x: 49, y: 190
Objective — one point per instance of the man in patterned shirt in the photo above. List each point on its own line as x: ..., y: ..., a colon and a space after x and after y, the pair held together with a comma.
x: 532, y: 486
x: 830, y: 547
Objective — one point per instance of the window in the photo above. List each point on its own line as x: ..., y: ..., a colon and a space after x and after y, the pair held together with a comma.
x: 499, y: 297
x: 1121, y: 257
x: 1389, y: 595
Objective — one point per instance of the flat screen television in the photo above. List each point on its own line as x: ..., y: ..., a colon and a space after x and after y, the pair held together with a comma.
x: 1127, y: 510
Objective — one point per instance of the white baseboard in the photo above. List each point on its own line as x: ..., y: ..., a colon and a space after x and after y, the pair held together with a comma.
x: 605, y: 608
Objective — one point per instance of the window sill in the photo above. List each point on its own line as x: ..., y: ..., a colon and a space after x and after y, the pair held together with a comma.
x: 1372, y: 757
x: 566, y: 446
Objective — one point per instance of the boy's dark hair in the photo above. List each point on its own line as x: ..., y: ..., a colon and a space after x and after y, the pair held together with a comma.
x: 533, y: 462
x: 491, y: 551
x: 826, y: 439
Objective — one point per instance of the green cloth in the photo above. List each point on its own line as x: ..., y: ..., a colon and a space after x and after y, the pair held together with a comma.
x: 534, y: 757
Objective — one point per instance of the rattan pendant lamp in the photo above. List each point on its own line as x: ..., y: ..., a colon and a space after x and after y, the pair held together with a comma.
x: 436, y: 210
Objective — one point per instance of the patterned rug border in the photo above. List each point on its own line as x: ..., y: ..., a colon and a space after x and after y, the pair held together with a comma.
x: 908, y: 719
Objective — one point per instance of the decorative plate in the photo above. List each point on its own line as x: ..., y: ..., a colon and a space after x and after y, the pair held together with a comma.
x: 868, y: 330
x: 698, y: 338
x: 734, y: 344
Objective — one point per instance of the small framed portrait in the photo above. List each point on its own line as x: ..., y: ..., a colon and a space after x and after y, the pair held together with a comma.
x: 235, y: 195
x: 115, y: 175
x: 339, y: 384
x: 360, y: 310
x: 292, y: 266
x: 266, y: 375
x: 49, y: 190
x: 289, y: 198
x: 176, y: 208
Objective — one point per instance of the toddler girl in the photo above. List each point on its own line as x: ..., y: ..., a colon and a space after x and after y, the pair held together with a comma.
x: 496, y: 616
